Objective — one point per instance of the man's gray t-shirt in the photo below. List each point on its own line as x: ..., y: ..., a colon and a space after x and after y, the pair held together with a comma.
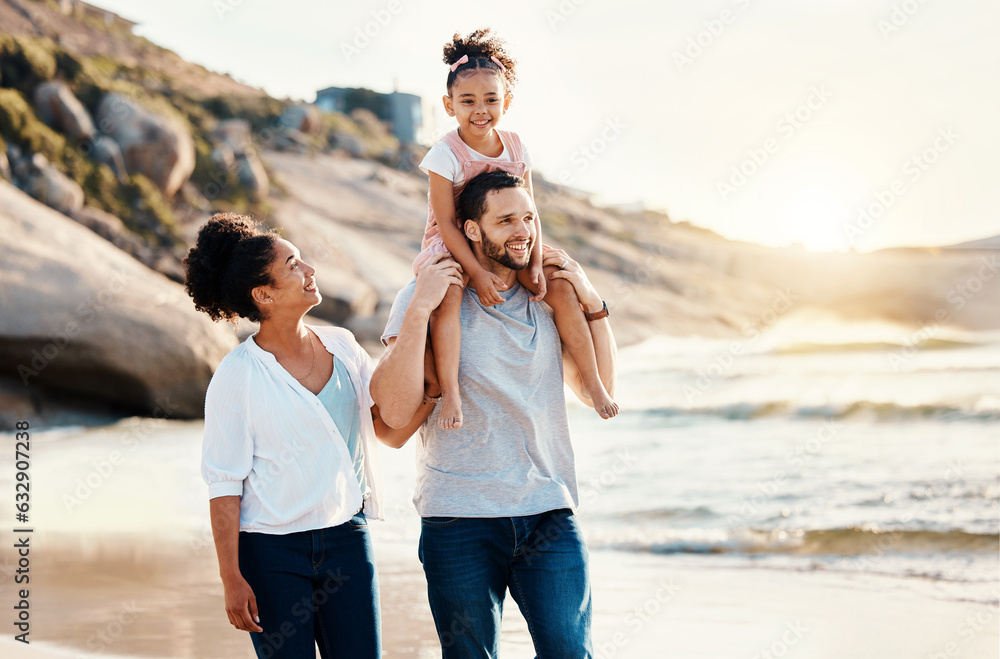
x: 512, y: 456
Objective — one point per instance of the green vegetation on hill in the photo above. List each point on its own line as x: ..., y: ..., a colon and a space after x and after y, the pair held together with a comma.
x: 26, y: 62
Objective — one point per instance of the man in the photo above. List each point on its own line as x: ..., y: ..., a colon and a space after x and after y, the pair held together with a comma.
x: 496, y: 496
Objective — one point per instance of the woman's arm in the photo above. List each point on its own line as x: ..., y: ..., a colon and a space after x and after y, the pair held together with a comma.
x: 397, y: 437
x: 600, y: 330
x: 241, y: 605
x: 442, y: 197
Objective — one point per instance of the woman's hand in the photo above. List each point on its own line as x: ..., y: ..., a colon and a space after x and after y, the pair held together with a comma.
x: 433, y: 281
x: 571, y: 271
x: 241, y: 605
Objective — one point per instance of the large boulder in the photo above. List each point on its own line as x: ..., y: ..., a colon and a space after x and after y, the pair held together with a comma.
x: 105, y: 151
x: 50, y: 186
x: 81, y: 316
x: 153, y: 145
x: 303, y: 117
x: 233, y: 132
x: 113, y: 230
x: 292, y: 140
x: 58, y: 107
x: 252, y: 175
x: 235, y: 153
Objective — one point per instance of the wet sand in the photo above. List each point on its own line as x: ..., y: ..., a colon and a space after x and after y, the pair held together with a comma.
x: 130, y: 570
x: 149, y: 597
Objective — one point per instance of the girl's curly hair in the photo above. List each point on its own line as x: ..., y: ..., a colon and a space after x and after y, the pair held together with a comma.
x: 231, y: 257
x: 480, y: 46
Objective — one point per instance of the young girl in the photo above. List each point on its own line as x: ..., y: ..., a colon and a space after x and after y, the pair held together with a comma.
x: 480, y: 81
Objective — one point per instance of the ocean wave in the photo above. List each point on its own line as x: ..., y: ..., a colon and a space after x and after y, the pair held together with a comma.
x: 860, y: 543
x: 858, y: 410
x: 873, y: 346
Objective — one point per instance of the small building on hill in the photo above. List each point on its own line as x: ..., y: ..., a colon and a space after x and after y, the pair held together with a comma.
x: 403, y: 112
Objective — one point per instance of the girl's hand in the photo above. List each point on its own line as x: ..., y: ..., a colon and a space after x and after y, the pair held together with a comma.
x: 241, y: 605
x: 538, y: 279
x: 433, y: 280
x: 571, y: 271
x: 487, y: 284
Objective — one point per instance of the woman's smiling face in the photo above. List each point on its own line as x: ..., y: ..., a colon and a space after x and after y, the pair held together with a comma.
x: 293, y: 285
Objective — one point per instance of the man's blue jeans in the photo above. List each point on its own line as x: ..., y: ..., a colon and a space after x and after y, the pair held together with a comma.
x: 470, y: 563
x: 314, y: 588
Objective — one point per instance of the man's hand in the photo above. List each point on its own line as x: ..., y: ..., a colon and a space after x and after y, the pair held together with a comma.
x: 538, y: 279
x: 433, y: 280
x: 241, y: 605
x: 487, y: 284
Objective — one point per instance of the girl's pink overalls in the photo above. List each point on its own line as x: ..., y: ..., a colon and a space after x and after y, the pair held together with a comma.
x: 432, y: 242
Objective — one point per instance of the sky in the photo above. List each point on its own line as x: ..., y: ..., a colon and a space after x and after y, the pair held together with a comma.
x: 835, y: 124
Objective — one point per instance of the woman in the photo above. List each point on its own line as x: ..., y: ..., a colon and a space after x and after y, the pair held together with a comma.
x: 289, y: 452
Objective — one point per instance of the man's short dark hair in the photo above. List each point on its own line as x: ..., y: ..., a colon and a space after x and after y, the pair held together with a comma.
x: 472, y: 200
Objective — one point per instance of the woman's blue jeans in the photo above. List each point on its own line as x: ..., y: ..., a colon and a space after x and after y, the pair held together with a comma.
x: 314, y: 588
x: 470, y: 563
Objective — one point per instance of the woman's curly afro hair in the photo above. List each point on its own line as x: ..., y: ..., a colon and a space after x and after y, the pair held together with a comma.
x: 231, y: 257
x: 480, y: 46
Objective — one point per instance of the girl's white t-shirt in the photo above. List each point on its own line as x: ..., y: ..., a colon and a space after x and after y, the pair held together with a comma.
x: 442, y: 161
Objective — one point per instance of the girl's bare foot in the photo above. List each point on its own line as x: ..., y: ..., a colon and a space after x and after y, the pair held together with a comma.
x: 451, y: 411
x: 603, y: 403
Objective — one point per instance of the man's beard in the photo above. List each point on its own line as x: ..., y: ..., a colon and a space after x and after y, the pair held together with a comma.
x: 499, y: 253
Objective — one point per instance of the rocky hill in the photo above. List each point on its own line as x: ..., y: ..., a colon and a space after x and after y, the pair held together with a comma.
x: 114, y: 151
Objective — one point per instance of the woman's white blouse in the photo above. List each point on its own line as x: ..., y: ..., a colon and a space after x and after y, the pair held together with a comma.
x: 270, y: 441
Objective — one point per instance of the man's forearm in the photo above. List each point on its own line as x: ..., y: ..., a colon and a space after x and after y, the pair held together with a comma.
x: 397, y: 384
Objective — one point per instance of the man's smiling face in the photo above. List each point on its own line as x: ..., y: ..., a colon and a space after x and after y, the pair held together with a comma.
x: 508, y: 227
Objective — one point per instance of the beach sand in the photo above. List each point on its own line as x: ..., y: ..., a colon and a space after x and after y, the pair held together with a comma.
x: 126, y: 596
x: 131, y: 571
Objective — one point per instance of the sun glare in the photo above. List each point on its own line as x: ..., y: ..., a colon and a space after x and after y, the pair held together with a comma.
x: 814, y: 217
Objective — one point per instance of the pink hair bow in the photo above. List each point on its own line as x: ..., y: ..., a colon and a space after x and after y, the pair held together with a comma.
x: 463, y: 60
x: 498, y: 63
